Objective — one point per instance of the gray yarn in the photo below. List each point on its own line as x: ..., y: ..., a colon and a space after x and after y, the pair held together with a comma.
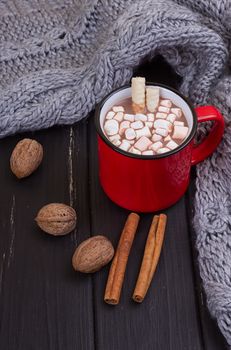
x: 59, y: 58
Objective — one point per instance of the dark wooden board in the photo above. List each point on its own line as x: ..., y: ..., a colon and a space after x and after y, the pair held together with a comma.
x: 45, y: 305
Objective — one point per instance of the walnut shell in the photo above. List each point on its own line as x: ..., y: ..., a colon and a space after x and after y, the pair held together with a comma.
x: 92, y: 254
x: 26, y: 157
x: 56, y: 219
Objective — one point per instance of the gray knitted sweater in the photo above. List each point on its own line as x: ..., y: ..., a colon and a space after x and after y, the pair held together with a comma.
x: 58, y: 58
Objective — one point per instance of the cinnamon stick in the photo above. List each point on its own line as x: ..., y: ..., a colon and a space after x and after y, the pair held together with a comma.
x: 119, y: 263
x: 151, y: 257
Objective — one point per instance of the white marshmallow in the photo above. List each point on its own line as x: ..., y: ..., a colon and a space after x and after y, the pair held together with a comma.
x: 163, y: 150
x: 162, y: 132
x: 134, y: 150
x: 171, y: 117
x: 177, y: 112
x: 150, y: 117
x: 114, y: 137
x: 131, y: 142
x: 118, y: 109
x: 123, y: 126
x: 129, y: 117
x: 140, y: 116
x: 130, y: 134
x: 172, y: 144
x: 142, y: 144
x: 138, y: 91
x: 152, y: 98
x: 179, y: 123
x: 137, y: 125
x: 149, y: 124
x: 180, y: 132
x: 161, y: 115
x: 110, y: 115
x: 143, y: 132
x: 166, y: 103
x: 116, y: 143
x: 168, y: 138
x: 156, y: 138
x: 147, y: 153
x: 125, y: 145
x: 119, y: 116
x: 111, y: 127
x: 163, y: 124
x: 163, y: 109
x: 155, y: 146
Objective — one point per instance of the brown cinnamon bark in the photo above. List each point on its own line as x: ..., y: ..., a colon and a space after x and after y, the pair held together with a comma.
x: 119, y: 263
x: 151, y: 257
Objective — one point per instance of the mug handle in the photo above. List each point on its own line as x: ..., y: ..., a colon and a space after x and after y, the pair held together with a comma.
x: 210, y: 143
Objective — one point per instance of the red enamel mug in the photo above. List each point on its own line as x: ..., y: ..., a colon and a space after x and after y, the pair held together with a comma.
x: 145, y: 183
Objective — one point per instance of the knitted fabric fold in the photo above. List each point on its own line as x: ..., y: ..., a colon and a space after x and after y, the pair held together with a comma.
x: 59, y: 58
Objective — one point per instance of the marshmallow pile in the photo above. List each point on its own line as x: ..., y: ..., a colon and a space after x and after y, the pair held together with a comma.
x: 147, y: 133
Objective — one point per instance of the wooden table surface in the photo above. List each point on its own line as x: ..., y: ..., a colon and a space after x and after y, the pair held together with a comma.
x: 45, y: 305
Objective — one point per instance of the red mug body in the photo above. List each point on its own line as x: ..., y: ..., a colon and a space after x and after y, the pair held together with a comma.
x: 145, y: 183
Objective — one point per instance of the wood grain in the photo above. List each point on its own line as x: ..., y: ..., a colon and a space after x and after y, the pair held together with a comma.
x: 44, y: 304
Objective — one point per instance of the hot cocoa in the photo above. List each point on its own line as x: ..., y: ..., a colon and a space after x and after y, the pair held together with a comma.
x: 146, y: 123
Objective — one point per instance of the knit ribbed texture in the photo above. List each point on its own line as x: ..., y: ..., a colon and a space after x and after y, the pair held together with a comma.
x: 59, y: 58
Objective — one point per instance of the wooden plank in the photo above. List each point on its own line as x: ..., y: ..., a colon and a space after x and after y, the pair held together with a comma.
x: 212, y: 337
x: 44, y: 304
x: 168, y: 318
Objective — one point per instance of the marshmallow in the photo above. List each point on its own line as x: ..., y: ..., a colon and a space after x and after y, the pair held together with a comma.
x: 161, y: 115
x: 152, y: 98
x: 119, y: 116
x: 180, y: 132
x: 150, y: 117
x: 171, y: 117
x: 123, y: 126
x: 110, y: 115
x: 125, y: 145
x: 116, y: 143
x: 168, y: 138
x: 149, y: 124
x: 118, y: 109
x: 131, y: 142
x: 111, y: 127
x: 163, y: 109
x: 134, y: 150
x: 137, y: 125
x: 162, y: 132
x: 142, y: 144
x: 163, y: 124
x: 163, y: 150
x: 114, y: 137
x: 143, y: 132
x: 129, y: 117
x: 166, y: 103
x: 130, y: 134
x: 147, y: 153
x: 177, y: 112
x: 156, y: 138
x: 172, y: 144
x: 140, y: 116
x: 179, y: 123
x: 138, y: 91
x: 155, y: 146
